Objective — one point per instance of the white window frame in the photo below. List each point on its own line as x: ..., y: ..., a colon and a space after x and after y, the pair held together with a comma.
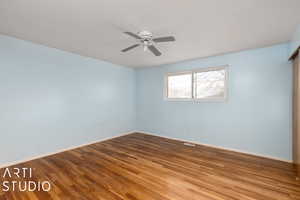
x: 209, y: 99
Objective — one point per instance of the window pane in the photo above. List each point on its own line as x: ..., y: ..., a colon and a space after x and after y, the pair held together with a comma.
x: 180, y: 86
x: 210, y: 84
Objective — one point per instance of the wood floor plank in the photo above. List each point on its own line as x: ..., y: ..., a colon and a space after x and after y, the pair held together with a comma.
x: 145, y: 167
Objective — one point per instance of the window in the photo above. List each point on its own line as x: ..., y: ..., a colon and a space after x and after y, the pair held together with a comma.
x: 180, y: 86
x: 209, y: 84
x: 204, y: 84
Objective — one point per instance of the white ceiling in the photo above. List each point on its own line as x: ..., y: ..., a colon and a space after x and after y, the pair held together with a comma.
x: 202, y: 27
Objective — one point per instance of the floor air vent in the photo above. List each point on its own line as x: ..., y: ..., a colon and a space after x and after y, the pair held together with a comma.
x: 189, y: 144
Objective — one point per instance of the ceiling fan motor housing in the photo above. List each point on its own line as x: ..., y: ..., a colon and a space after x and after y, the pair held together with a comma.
x: 145, y: 35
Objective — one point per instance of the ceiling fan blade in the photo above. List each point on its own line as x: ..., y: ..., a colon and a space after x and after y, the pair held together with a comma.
x: 164, y: 39
x: 131, y: 47
x: 133, y: 35
x: 154, y: 50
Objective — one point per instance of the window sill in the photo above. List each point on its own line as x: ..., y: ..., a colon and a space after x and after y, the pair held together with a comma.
x: 206, y: 100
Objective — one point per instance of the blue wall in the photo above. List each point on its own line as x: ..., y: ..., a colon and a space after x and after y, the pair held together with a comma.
x: 51, y: 100
x: 256, y: 118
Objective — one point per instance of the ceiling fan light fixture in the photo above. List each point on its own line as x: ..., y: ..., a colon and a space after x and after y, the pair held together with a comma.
x: 145, y: 47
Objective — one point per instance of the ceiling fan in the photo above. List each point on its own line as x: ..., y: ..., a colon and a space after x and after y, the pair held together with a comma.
x: 146, y: 40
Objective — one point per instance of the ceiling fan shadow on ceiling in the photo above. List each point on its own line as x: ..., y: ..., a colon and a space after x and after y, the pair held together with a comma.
x: 145, y: 39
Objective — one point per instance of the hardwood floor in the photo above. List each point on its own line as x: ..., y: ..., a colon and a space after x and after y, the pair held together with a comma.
x: 144, y: 167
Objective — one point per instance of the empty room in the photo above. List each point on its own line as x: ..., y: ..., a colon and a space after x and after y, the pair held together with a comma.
x: 150, y: 100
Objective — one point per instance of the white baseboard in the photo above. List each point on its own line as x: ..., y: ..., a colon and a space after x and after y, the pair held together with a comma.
x: 217, y: 147
x: 60, y: 151
x: 128, y: 133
